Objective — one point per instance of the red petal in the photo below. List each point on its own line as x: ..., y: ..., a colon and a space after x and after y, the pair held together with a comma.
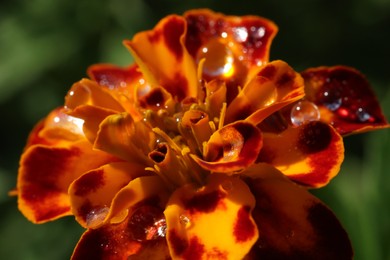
x: 114, y: 77
x: 310, y: 154
x: 292, y: 223
x: 345, y: 99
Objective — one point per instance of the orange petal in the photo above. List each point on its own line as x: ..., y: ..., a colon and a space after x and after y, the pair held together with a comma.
x: 293, y: 224
x: 56, y: 129
x: 345, y: 99
x: 92, y: 193
x: 92, y: 117
x: 310, y: 154
x: 121, y: 136
x: 274, y: 86
x: 45, y: 174
x: 88, y: 92
x: 165, y: 45
x: 212, y: 222
x: 231, y: 148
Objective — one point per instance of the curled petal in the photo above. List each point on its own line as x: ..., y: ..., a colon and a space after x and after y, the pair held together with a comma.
x: 213, y: 222
x: 293, y: 224
x: 274, y: 86
x: 91, y: 194
x: 195, y: 128
x: 310, y: 154
x: 345, y: 99
x: 56, y: 129
x: 88, y: 92
x: 215, y: 98
x: 165, y: 45
x: 121, y: 136
x: 91, y: 116
x: 45, y: 174
x: 231, y: 148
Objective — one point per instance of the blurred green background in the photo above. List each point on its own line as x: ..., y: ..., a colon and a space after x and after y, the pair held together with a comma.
x: 46, y: 45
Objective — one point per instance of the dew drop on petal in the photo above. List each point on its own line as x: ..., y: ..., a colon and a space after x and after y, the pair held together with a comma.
x: 70, y: 123
x: 304, y: 112
x: 227, y: 185
x: 363, y: 115
x: 96, y: 216
x: 147, y: 223
x: 331, y: 99
x: 184, y: 220
x: 218, y: 58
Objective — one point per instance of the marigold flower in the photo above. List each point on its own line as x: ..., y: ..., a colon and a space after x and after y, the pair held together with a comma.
x: 203, y: 149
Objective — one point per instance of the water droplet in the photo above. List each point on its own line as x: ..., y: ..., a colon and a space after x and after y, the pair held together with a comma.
x: 240, y: 34
x: 304, y: 112
x: 331, y: 99
x: 363, y: 115
x: 96, y: 216
x: 227, y: 185
x: 184, y: 220
x: 70, y: 123
x: 218, y: 58
x: 147, y: 223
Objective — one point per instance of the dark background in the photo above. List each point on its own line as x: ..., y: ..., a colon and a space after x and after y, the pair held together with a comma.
x: 46, y: 45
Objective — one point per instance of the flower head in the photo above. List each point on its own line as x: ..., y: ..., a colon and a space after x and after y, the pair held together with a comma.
x: 203, y: 149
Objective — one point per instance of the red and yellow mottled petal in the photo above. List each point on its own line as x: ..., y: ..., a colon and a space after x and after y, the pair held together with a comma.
x: 45, y: 174
x: 345, y: 99
x: 213, y: 222
x: 91, y: 194
x: 293, y: 224
x: 231, y: 148
x: 165, y: 45
x: 310, y: 154
x: 88, y: 92
x: 115, y: 242
x: 143, y: 188
x: 274, y: 86
x: 121, y: 136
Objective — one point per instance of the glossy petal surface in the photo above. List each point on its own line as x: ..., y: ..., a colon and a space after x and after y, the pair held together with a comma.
x: 226, y: 203
x: 310, y: 154
x: 293, y: 224
x: 345, y: 98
